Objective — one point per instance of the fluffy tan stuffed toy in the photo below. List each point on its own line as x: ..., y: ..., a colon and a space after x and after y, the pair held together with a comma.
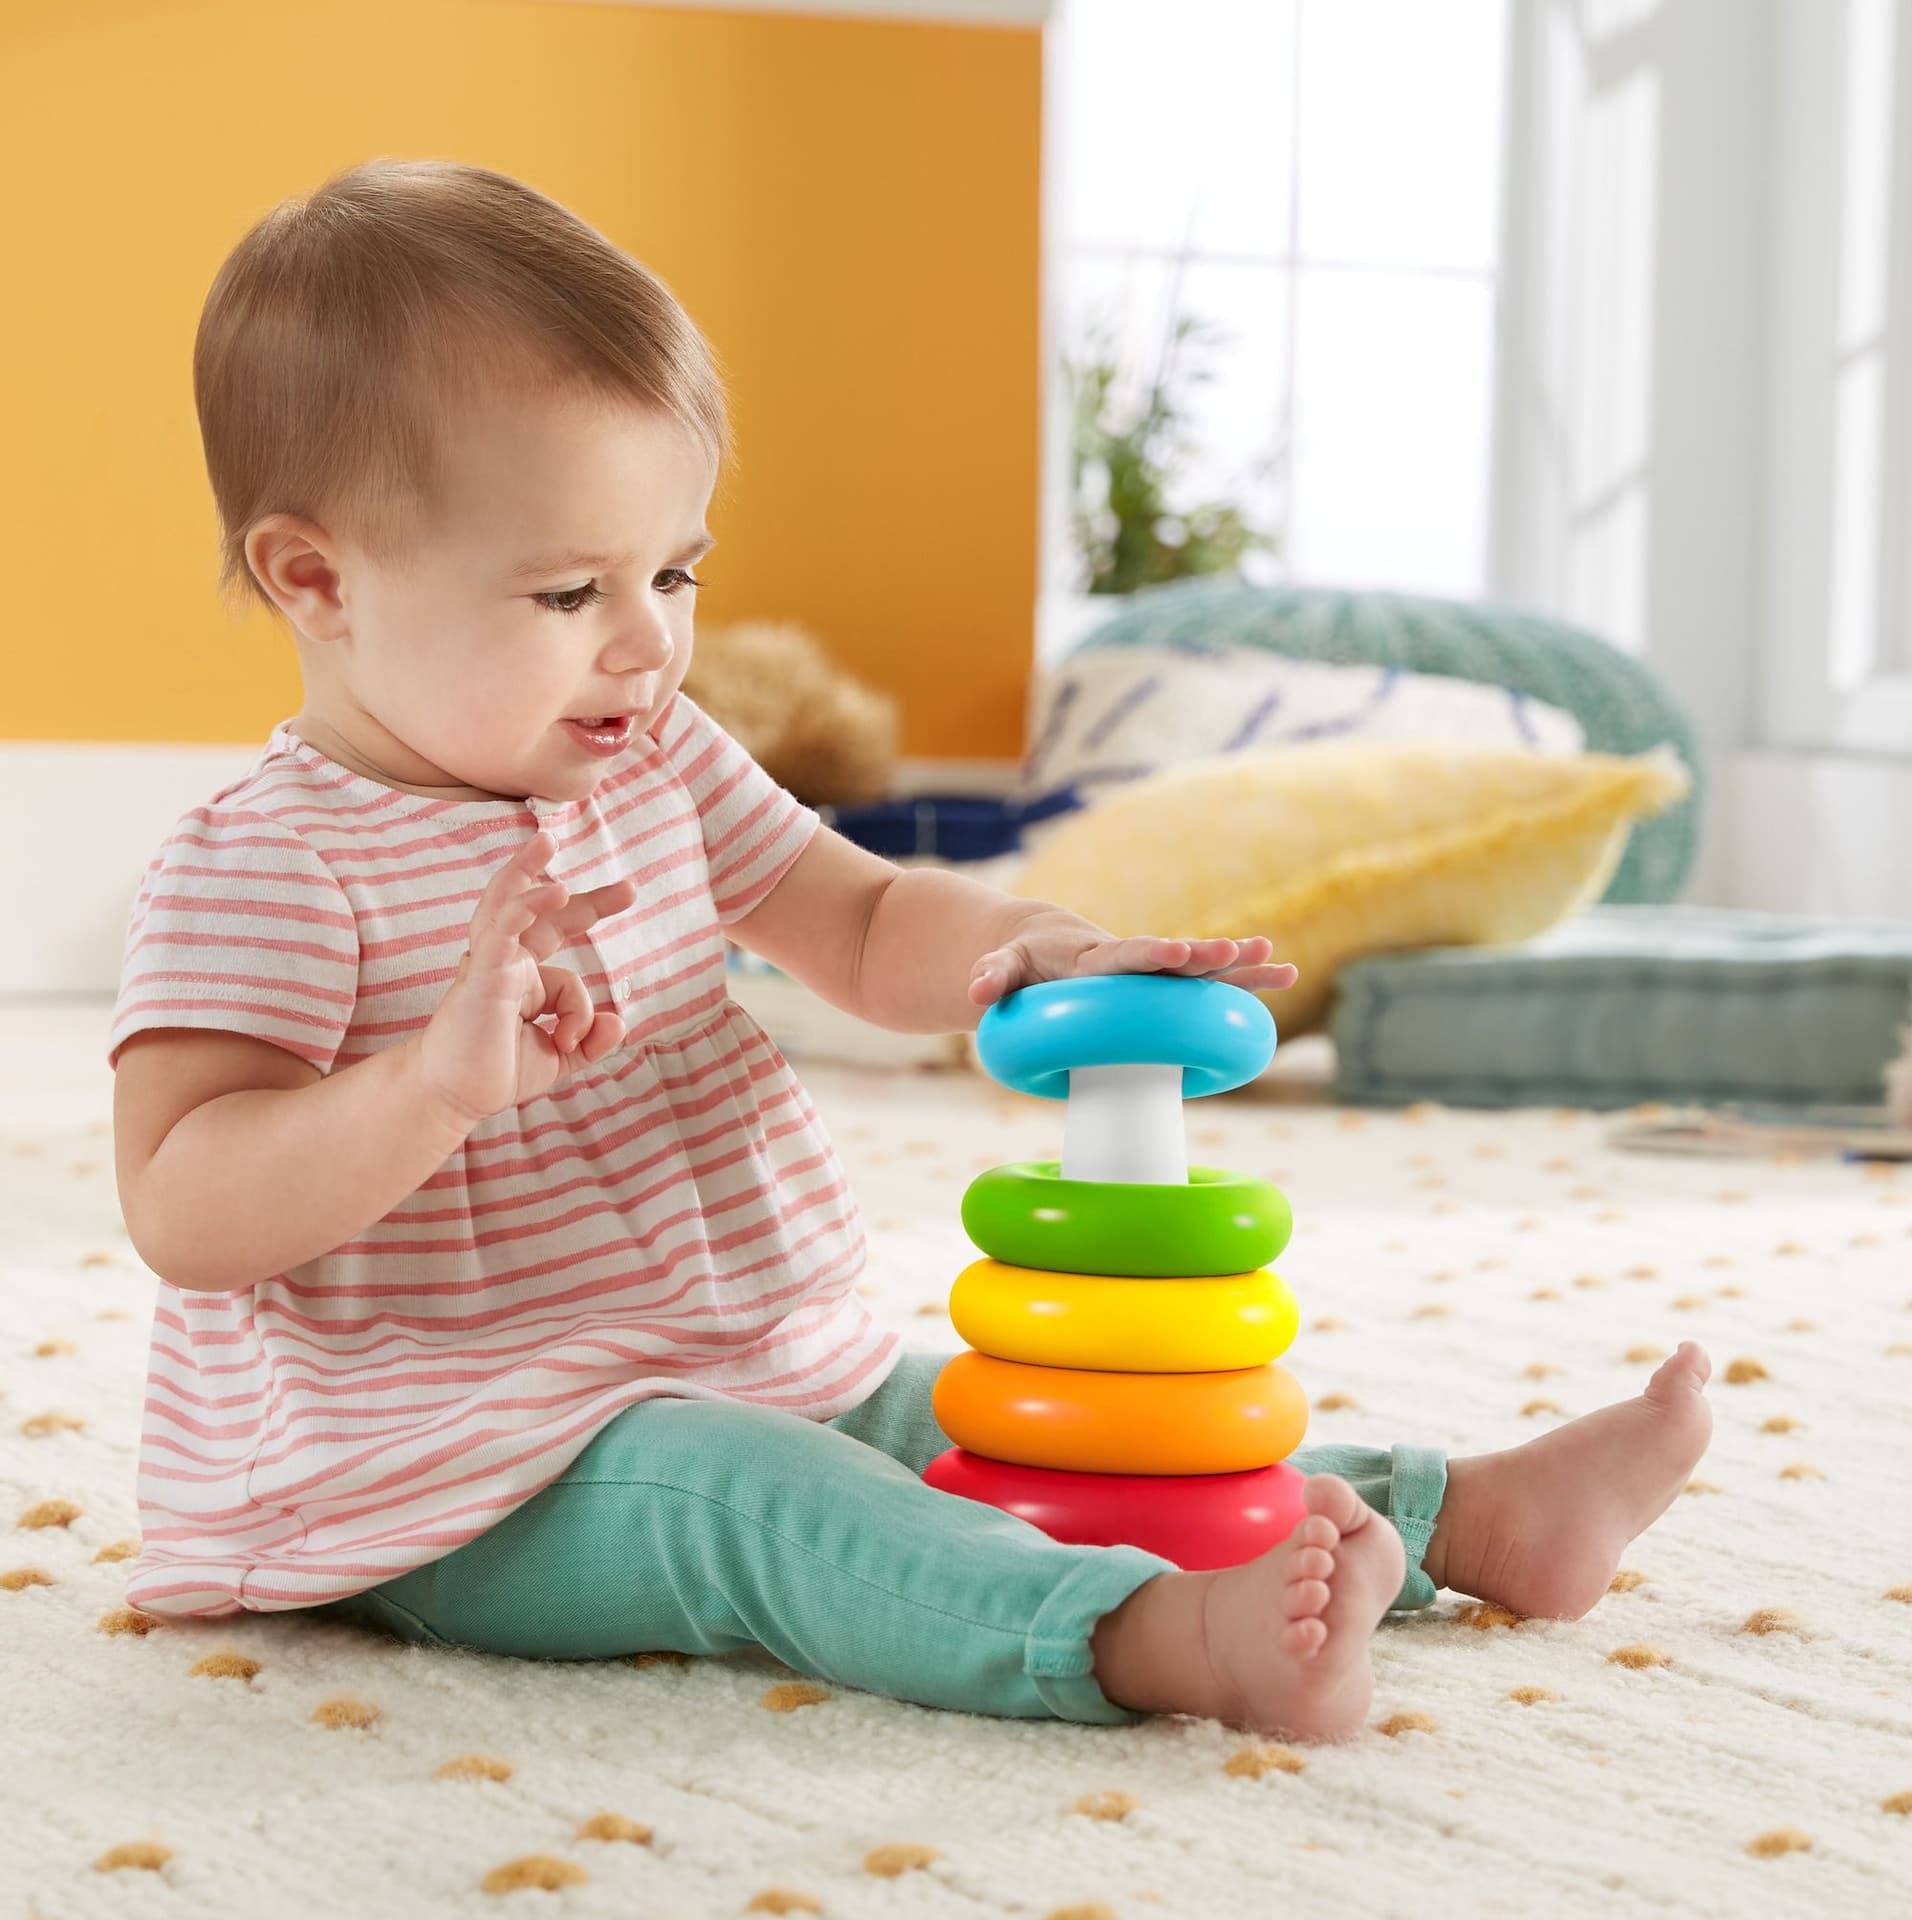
x: 829, y: 738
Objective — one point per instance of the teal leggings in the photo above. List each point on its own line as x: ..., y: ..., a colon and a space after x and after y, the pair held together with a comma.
x: 706, y: 1526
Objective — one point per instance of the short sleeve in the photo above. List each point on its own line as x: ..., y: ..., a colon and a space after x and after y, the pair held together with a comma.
x: 239, y: 925
x: 753, y: 828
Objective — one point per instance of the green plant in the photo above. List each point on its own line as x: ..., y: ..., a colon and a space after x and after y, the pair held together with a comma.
x: 1122, y: 471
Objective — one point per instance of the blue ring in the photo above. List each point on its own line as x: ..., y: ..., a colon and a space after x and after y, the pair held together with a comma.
x: 1220, y: 1036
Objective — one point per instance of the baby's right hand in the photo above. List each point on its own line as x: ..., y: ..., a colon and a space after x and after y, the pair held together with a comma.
x: 480, y: 1052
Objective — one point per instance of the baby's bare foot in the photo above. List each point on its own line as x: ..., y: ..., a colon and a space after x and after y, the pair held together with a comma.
x: 1280, y: 1643
x: 1540, y: 1528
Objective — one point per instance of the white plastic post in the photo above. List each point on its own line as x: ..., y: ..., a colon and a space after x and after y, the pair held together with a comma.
x: 1125, y: 1123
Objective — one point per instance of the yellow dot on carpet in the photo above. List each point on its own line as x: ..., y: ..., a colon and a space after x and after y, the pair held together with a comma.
x: 112, y: 1313
x: 38, y: 1426
x: 1327, y: 1324
x: 1540, y: 1406
x: 1801, y: 1470
x: 1769, y: 1846
x: 1485, y: 1614
x: 1740, y: 1372
x: 1688, y: 1301
x: 1441, y: 1278
x: 1717, y: 1260
x: 1625, y: 1579
x: 52, y: 1513
x: 1585, y: 1193
x: 1699, y: 1486
x: 1780, y: 1423
x: 1897, y: 1803
x: 1863, y: 1240
x: 224, y: 1666
x: 345, y: 1710
x: 931, y: 1306
x: 1527, y: 1225
x: 148, y: 1855
x: 1532, y: 1696
x: 1901, y: 1594
x: 1607, y: 1215
x: 475, y: 1766
x: 48, y: 1349
x: 1802, y: 1326
x: 18, y: 1579
x: 1111, y: 1805
x: 899, y: 1858
x: 1538, y: 1370
x: 1639, y: 1656
x: 100, y: 1258
x: 788, y: 1695
x: 1431, y: 1310
x: 1772, y: 1620
x: 1639, y: 1356
x: 127, y: 1620
x: 1492, y: 1264
x: 541, y: 1870
x: 118, y: 1550
x: 1556, y: 1166
x: 661, y: 1657
x: 1335, y: 1402
x: 1544, y: 1293
x: 1643, y: 1273
x: 783, y: 1900
x: 1729, y: 1293
x: 1091, y: 1910
x: 1731, y: 1197
x: 609, y: 1827
x: 1399, y: 1723
x: 1250, y: 1763
x: 1788, y: 1249
x: 1487, y: 1151
x: 1430, y: 1183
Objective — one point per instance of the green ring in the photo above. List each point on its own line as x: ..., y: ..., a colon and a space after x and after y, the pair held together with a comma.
x: 1220, y: 1222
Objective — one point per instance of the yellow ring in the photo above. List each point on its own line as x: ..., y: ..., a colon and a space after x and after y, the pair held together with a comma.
x: 1091, y: 1422
x: 1123, y: 1325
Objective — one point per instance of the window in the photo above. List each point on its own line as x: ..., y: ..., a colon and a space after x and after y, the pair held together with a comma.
x: 1319, y: 179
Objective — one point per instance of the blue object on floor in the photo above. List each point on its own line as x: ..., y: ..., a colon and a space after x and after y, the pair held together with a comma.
x: 947, y: 826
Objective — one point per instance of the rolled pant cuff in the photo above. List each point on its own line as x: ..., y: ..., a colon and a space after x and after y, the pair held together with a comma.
x: 1417, y: 1486
x: 1057, y: 1655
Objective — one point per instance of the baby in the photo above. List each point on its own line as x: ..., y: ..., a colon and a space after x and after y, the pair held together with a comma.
x: 507, y: 1273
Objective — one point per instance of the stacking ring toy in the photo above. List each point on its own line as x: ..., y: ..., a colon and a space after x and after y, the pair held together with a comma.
x: 1197, y: 1521
x: 1125, y: 1050
x: 1216, y: 1035
x: 1128, y: 1326
x: 1148, y: 1423
x: 1029, y: 1215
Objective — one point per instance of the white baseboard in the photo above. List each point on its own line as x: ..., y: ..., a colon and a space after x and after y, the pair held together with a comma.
x: 1821, y: 834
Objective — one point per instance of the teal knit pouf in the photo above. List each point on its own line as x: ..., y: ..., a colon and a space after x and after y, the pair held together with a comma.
x: 1620, y: 703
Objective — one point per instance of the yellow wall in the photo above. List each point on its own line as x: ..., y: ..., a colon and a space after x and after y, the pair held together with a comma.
x: 848, y: 208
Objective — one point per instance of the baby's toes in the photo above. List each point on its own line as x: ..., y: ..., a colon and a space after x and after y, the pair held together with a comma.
x: 1314, y: 1530
x: 1329, y: 1497
x: 1311, y: 1563
x: 1301, y: 1639
x: 1303, y: 1599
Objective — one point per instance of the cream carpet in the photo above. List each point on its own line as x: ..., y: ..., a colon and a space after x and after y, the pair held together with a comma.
x: 1729, y: 1733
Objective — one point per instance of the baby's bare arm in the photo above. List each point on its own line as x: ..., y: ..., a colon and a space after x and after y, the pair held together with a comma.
x: 279, y: 1167
x: 237, y: 1161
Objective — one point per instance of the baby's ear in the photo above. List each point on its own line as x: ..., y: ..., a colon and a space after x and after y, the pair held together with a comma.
x: 294, y: 562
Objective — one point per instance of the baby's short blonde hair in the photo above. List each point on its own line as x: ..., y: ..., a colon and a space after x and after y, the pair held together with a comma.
x: 344, y: 329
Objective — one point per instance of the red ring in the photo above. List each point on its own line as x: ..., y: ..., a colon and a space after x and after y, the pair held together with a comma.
x: 1198, y: 1520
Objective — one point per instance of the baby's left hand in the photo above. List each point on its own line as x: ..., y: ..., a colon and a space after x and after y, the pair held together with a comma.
x: 1061, y: 946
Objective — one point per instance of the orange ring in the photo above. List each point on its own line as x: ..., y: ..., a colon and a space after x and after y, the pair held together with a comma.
x: 1092, y: 1422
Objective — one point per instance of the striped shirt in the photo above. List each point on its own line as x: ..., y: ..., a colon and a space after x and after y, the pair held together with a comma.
x: 672, y: 1220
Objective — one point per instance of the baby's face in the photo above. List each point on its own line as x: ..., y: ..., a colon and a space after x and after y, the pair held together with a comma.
x: 461, y: 664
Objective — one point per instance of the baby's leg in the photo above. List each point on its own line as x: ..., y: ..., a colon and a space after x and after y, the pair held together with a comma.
x: 707, y: 1526
x: 1280, y: 1643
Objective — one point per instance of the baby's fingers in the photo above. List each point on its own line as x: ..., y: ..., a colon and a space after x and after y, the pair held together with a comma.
x: 560, y: 992
x: 509, y: 902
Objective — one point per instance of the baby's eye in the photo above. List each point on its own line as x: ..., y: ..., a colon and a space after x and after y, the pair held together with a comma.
x: 576, y: 599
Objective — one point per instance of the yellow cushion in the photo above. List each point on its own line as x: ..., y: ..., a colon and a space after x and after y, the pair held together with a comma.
x: 1337, y: 850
